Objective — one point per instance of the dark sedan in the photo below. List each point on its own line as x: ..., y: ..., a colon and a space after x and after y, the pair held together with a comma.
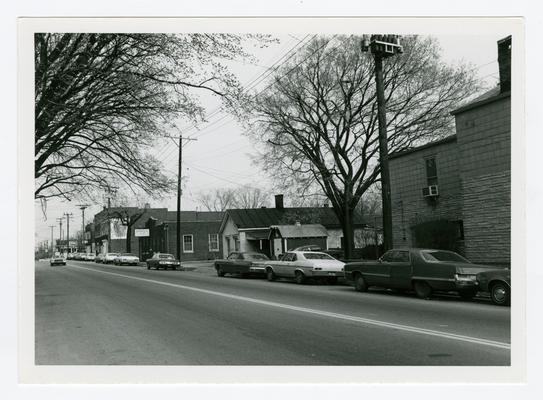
x: 163, y: 260
x: 421, y: 270
x: 242, y: 263
x: 497, y: 282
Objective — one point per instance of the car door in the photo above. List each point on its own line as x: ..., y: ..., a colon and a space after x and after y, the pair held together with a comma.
x: 228, y: 264
x: 284, y: 267
x: 401, y: 269
x: 378, y: 274
x: 242, y: 264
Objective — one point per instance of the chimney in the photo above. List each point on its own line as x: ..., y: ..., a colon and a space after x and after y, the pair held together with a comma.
x: 504, y: 62
x: 279, y: 201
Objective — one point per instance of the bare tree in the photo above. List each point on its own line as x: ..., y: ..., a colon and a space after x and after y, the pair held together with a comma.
x: 216, y: 200
x: 250, y: 197
x: 101, y: 101
x: 243, y: 197
x: 317, y: 121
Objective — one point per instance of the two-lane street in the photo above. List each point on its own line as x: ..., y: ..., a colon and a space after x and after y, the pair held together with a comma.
x: 88, y: 313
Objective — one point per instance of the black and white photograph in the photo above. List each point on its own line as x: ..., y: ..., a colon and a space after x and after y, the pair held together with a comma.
x: 262, y: 197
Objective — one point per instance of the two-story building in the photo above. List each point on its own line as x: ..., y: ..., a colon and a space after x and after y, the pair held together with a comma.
x: 455, y: 193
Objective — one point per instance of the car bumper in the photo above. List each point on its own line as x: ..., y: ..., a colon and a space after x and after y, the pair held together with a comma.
x: 466, y: 285
x: 322, y: 274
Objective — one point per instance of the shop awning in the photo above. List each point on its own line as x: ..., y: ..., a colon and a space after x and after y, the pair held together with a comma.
x: 301, y: 231
x: 257, y: 234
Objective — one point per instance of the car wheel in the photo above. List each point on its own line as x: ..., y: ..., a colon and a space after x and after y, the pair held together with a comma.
x: 270, y: 275
x: 299, y: 277
x: 500, y: 294
x: 360, y: 284
x: 220, y: 272
x: 422, y: 289
x: 467, y: 294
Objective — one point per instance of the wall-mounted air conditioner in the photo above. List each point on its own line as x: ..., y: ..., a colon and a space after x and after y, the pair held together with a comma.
x: 430, y: 191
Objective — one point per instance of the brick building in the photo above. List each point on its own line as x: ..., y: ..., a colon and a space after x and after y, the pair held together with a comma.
x: 199, y: 233
x: 113, y: 225
x: 455, y: 193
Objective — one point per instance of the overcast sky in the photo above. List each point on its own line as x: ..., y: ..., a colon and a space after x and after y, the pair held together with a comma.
x: 220, y: 156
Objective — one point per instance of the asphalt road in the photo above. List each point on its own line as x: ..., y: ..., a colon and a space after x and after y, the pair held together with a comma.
x: 90, y: 314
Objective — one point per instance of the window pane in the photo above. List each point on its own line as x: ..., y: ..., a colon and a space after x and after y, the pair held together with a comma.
x: 214, y: 242
x: 431, y: 171
x: 187, y: 243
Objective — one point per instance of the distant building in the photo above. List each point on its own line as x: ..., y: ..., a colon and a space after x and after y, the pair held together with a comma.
x: 455, y: 193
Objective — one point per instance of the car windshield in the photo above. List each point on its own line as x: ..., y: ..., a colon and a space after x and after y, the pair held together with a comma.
x: 128, y: 255
x: 256, y: 256
x: 318, y: 256
x: 166, y: 256
x: 442, y: 255
x: 112, y: 254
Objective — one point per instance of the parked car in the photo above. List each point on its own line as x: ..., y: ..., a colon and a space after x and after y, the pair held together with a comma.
x: 57, y: 260
x: 242, y: 263
x: 70, y: 256
x: 90, y: 257
x: 99, y: 258
x: 497, y: 282
x: 109, y: 258
x: 126, y: 259
x: 305, y: 265
x: 163, y: 260
x: 421, y: 270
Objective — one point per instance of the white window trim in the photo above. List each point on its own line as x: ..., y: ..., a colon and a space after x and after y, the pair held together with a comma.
x: 209, y: 241
x: 191, y: 244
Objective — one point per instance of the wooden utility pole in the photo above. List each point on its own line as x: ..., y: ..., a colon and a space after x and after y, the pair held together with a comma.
x: 179, y: 192
x: 59, y: 220
x: 383, y: 46
x: 52, y: 250
x: 82, y: 208
x: 68, y: 217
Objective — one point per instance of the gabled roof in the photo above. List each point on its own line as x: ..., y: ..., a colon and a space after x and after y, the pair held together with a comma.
x: 266, y: 217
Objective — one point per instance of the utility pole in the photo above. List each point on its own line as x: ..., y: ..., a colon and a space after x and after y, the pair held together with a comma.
x: 111, y: 190
x: 179, y: 192
x: 82, y: 208
x: 68, y: 216
x: 59, y: 220
x: 383, y: 46
x: 52, y: 251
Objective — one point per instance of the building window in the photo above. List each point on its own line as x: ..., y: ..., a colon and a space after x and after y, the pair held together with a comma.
x: 431, y: 171
x: 187, y: 244
x: 214, y: 242
x: 236, y: 242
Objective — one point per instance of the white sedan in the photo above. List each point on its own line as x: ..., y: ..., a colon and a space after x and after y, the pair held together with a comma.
x: 305, y: 265
x: 127, y: 258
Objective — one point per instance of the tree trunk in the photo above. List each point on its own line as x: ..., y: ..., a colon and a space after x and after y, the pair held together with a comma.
x: 128, y: 238
x: 348, y: 232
